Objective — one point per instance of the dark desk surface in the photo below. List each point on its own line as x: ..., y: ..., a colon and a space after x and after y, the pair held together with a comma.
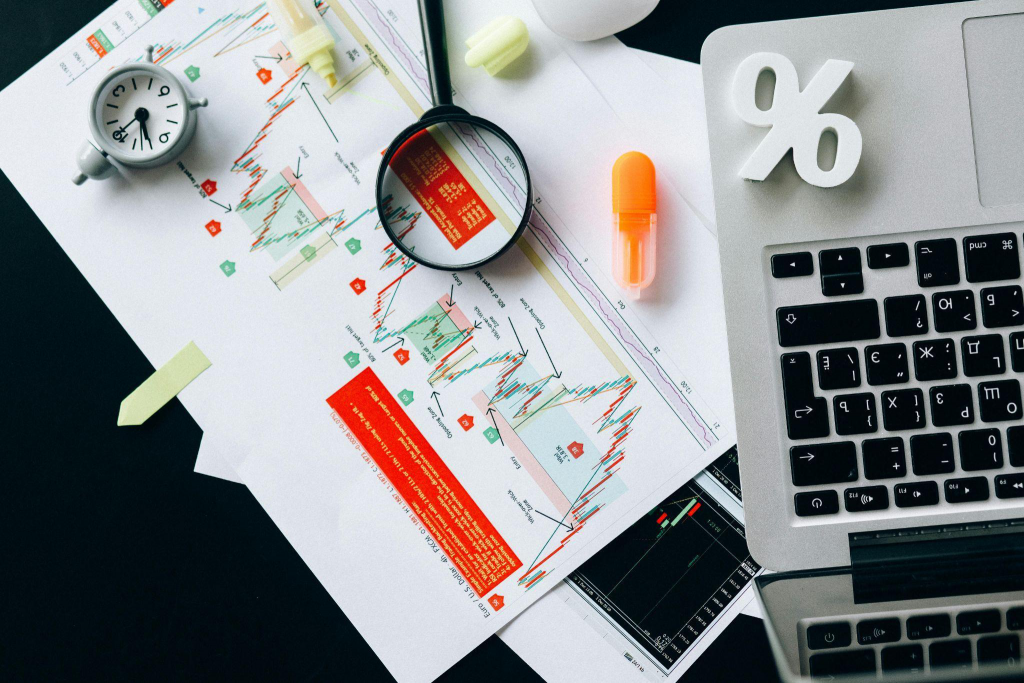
x: 117, y: 561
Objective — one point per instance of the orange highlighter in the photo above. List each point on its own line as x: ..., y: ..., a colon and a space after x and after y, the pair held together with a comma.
x: 634, y: 205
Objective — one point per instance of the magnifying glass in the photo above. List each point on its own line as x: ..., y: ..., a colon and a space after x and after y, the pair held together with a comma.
x: 453, y: 190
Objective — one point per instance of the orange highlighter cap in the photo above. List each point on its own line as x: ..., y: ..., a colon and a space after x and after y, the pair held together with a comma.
x: 634, y: 205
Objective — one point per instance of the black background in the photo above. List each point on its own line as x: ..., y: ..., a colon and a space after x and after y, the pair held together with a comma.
x: 116, y: 560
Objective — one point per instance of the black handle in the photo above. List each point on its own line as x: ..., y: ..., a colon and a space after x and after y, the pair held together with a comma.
x: 436, y: 49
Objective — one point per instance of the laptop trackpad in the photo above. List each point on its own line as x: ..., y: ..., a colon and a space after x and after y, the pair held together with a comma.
x: 994, y: 51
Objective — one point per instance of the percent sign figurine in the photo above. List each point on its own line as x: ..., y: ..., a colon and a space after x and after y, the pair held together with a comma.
x: 795, y: 119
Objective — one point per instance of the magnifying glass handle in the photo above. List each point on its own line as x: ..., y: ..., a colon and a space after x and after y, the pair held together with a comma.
x: 435, y: 47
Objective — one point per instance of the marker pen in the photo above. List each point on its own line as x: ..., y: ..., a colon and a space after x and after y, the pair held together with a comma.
x: 634, y: 205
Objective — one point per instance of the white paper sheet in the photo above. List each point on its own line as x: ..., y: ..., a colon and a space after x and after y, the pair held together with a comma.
x: 278, y: 329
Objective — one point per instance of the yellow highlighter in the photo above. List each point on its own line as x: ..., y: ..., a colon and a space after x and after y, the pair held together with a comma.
x: 305, y: 35
x: 634, y: 205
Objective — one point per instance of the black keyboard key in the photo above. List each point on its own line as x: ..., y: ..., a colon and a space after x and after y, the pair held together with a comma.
x: 1009, y: 485
x: 839, y: 285
x: 1017, y: 351
x: 970, y: 490
x: 928, y: 626
x: 1015, y: 445
x: 873, y: 631
x: 906, y: 315
x: 1015, y: 618
x: 978, y: 621
x: 952, y: 405
x: 999, y: 650
x: 826, y: 463
x: 894, y: 255
x: 981, y: 449
x: 806, y: 415
x: 916, y: 494
x: 991, y: 257
x: 954, y: 311
x: 934, y: 359
x: 884, y: 458
x: 826, y: 636
x: 903, y: 409
x: 950, y: 653
x: 903, y: 658
x: 799, y: 264
x: 829, y: 323
x: 937, y: 263
x: 839, y: 261
x: 886, y: 364
x: 866, y: 498
x: 999, y: 401
x: 839, y: 368
x: 932, y: 454
x: 1002, y: 306
x: 838, y: 664
x: 983, y: 355
x: 814, y: 503
x: 855, y: 414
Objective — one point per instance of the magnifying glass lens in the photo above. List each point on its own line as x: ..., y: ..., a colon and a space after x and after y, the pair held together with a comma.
x: 453, y: 194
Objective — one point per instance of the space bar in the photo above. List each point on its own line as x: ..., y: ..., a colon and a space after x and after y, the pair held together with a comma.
x: 841, y: 321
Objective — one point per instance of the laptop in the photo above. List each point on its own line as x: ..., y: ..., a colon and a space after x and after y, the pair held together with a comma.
x: 869, y: 189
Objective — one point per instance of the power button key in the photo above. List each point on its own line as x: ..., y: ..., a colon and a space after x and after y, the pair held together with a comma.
x: 824, y: 636
x: 813, y: 503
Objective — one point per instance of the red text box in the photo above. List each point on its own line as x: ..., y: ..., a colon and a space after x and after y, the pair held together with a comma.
x: 441, y: 189
x: 429, y: 488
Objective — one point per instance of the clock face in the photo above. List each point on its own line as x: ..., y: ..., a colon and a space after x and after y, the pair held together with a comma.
x: 141, y: 114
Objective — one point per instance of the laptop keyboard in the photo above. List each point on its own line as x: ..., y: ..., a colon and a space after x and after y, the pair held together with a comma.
x: 899, y: 362
x: 914, y: 643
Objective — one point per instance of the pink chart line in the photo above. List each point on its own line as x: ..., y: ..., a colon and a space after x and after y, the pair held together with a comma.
x: 663, y: 383
x: 383, y: 27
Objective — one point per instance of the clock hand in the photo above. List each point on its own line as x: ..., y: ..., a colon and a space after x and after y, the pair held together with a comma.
x: 145, y: 133
x: 124, y: 128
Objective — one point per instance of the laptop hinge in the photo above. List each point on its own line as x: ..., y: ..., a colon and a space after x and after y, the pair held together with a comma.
x: 922, y: 562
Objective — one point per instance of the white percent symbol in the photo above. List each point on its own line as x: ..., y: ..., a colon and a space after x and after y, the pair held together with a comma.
x: 796, y: 120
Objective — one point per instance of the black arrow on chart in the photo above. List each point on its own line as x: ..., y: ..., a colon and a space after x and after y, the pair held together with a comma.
x: 227, y: 209
x: 557, y: 373
x: 521, y: 349
x: 401, y: 340
x: 276, y: 58
x: 434, y: 396
x: 567, y: 526
x: 451, y: 298
x: 490, y: 411
x: 297, y: 164
x: 312, y: 99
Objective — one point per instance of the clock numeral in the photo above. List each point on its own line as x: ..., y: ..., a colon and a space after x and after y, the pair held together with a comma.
x: 118, y: 90
x: 119, y: 135
x: 164, y: 90
x: 164, y: 137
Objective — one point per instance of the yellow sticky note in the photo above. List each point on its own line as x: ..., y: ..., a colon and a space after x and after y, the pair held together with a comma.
x: 162, y: 385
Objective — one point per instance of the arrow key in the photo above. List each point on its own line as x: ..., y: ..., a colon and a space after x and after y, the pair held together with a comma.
x: 888, y: 256
x: 838, y: 285
x: 799, y: 264
x: 1009, y: 486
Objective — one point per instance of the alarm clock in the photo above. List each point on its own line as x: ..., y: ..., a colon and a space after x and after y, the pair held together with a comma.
x: 141, y: 116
